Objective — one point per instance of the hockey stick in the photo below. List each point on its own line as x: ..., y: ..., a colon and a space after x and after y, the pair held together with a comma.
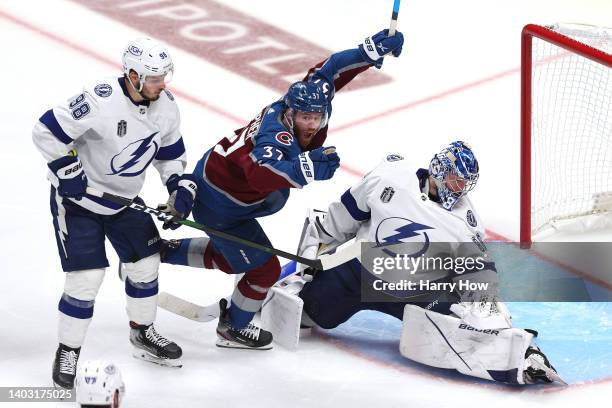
x: 162, y: 216
x: 198, y: 313
x: 393, y: 25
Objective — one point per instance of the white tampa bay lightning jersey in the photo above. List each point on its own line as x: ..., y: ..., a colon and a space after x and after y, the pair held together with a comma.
x: 391, y: 204
x: 116, y: 139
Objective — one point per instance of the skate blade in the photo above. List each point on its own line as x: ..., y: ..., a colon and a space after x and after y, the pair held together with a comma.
x: 551, y: 374
x: 164, y: 362
x: 224, y: 343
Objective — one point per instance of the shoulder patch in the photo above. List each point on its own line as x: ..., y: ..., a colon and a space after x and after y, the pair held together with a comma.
x: 169, y: 95
x: 103, y: 90
x: 394, y: 157
x: 471, y: 218
x: 387, y: 194
x: 285, y: 138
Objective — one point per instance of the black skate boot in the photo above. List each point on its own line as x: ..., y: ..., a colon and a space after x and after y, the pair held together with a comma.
x: 251, y: 337
x: 538, y: 368
x: 65, y: 365
x: 153, y: 347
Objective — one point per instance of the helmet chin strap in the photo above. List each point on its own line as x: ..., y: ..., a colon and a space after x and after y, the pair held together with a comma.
x: 139, y: 89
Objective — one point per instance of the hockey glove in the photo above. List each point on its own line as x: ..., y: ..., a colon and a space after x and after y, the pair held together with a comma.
x: 182, y: 190
x: 68, y: 177
x: 373, y: 49
x: 318, y: 164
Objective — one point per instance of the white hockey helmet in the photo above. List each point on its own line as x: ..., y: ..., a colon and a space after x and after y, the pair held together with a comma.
x: 148, y: 58
x: 99, y: 382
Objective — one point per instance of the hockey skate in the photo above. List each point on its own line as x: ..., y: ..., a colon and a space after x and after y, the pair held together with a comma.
x: 538, y: 368
x: 251, y: 337
x: 65, y: 365
x: 152, y: 347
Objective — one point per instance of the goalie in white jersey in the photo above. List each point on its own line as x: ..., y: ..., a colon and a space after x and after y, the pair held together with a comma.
x: 398, y: 203
x: 104, y: 138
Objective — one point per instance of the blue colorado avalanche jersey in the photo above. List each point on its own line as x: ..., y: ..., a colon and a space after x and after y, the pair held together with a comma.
x: 258, y: 160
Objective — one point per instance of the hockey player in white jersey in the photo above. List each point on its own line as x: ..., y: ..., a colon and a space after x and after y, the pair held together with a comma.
x: 397, y: 203
x: 104, y: 138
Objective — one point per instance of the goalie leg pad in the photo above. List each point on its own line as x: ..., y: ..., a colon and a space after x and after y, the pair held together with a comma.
x: 281, y: 315
x: 444, y: 341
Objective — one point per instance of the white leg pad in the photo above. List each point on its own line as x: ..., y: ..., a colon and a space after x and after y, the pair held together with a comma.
x: 142, y: 310
x: 71, y: 331
x: 145, y: 270
x: 83, y: 286
x: 281, y: 314
x: 445, y: 341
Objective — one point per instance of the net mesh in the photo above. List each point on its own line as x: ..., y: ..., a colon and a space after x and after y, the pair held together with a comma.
x: 571, y: 129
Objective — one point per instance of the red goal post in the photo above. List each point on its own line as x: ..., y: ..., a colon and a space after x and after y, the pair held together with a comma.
x: 574, y: 69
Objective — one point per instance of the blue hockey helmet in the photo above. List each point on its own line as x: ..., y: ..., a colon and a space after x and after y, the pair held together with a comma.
x: 306, y: 96
x: 455, y: 171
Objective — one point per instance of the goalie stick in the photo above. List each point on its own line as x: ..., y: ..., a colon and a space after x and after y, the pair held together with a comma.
x: 198, y: 313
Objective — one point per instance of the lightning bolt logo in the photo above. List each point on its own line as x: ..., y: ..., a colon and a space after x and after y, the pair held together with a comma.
x: 135, y: 159
x: 406, y: 229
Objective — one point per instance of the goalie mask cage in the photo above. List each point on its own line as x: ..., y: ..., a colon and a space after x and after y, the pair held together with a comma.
x: 566, y: 125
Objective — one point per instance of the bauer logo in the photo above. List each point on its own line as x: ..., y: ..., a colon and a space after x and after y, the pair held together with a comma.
x: 103, y: 90
x: 467, y: 327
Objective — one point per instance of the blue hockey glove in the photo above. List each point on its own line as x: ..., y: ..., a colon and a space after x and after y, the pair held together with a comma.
x: 182, y: 190
x: 68, y: 177
x: 374, y: 48
x: 318, y: 164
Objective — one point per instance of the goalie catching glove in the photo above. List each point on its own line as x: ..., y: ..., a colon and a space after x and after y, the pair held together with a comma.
x: 182, y: 190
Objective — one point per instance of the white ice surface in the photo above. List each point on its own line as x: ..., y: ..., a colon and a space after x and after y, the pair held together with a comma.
x: 449, y: 44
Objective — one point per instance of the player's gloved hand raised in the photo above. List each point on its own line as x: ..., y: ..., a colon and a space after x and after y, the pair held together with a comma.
x: 374, y: 48
x: 68, y: 176
x: 182, y: 191
x: 318, y: 164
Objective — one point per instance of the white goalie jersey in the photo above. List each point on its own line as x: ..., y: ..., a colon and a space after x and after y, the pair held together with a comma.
x: 391, y: 204
x: 115, y: 138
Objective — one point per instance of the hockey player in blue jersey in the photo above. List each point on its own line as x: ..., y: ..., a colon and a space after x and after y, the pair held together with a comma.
x: 113, y: 130
x: 249, y: 175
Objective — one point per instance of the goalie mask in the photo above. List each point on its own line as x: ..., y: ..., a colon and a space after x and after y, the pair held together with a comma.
x: 455, y: 171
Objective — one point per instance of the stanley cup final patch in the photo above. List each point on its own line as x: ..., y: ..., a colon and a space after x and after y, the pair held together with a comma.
x: 387, y: 194
x: 121, y: 128
x: 471, y: 219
